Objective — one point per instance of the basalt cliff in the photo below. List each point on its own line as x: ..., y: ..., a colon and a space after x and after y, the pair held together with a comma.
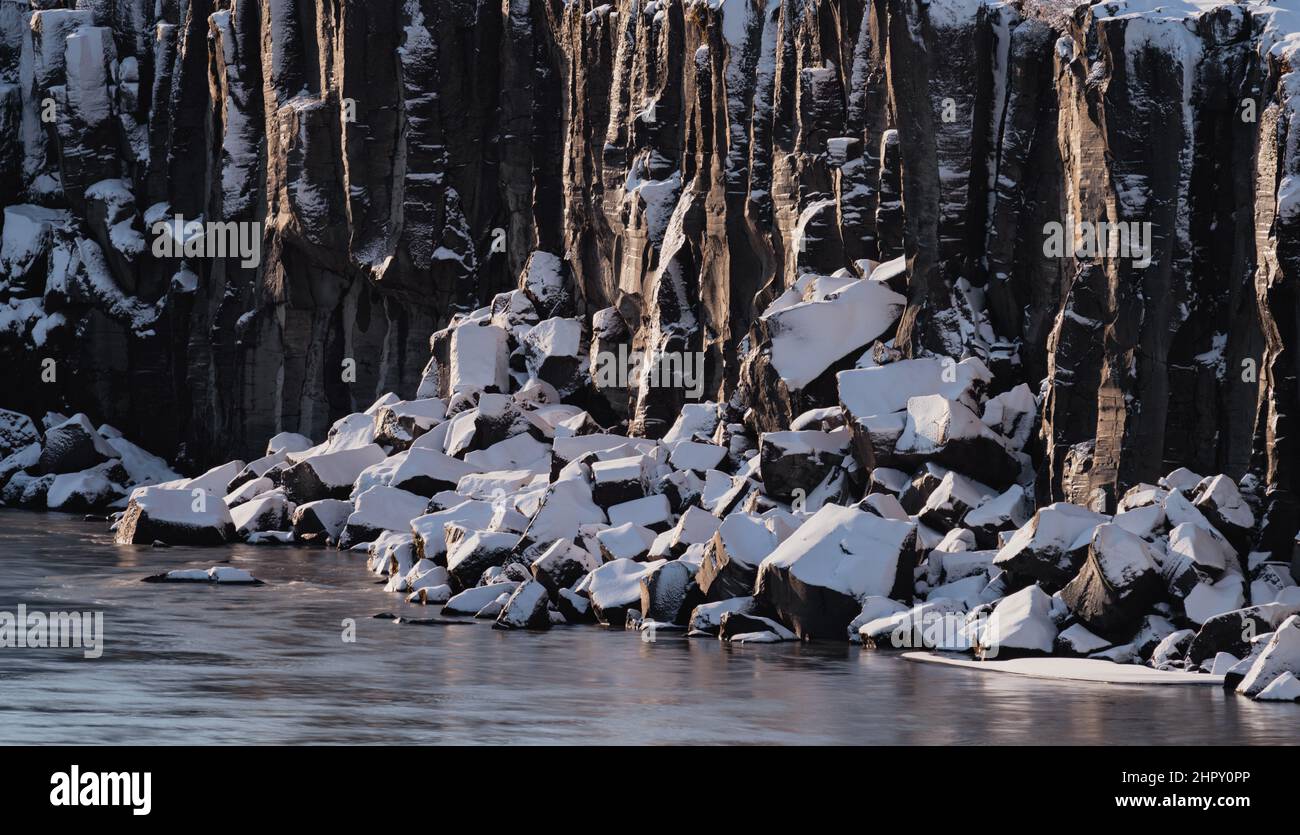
x: 342, y: 180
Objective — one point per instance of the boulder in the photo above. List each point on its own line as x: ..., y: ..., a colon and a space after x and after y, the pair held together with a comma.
x: 627, y: 541
x: 475, y: 551
x: 479, y: 359
x: 268, y: 512
x: 747, y: 628
x: 1172, y: 649
x: 285, y: 442
x: 651, y: 512
x: 1005, y: 513
x: 574, y: 607
x: 527, y: 608
x: 427, y: 472
x: 668, y: 593
x: 954, y: 498
x: 816, y: 579
x: 328, y: 475
x: 561, y: 565
x: 472, y: 600
x: 221, y: 574
x: 17, y: 431
x: 1207, y: 599
x: 322, y: 519
x: 700, y: 457
x: 566, y: 506
x: 429, y: 530
x: 552, y: 352
x: 1233, y: 632
x: 91, y: 489
x: 399, y: 424
x: 1077, y: 642
x: 248, y: 490
x: 1220, y: 502
x: 923, y: 482
x: 706, y: 618
x: 380, y: 509
x: 874, y: 608
x: 948, y: 432
x: 177, y: 517
x: 799, y: 461
x: 1281, y: 656
x: 932, y: 625
x: 730, y: 563
x: 621, y: 480
x: 73, y: 446
x: 1117, y: 584
x: 1052, y: 546
x: 615, y: 587
x: 1021, y: 624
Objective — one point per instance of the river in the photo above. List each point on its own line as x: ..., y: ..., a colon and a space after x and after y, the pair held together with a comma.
x: 208, y: 664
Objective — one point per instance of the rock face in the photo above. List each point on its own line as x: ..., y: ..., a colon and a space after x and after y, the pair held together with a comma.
x: 224, y: 220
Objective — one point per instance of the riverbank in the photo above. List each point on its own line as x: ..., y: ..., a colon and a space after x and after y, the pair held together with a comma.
x: 267, y: 665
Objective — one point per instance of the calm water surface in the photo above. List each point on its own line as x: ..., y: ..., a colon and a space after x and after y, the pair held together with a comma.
x: 202, y: 664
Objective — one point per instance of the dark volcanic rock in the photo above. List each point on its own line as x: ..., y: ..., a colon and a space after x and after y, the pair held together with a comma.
x: 400, y: 166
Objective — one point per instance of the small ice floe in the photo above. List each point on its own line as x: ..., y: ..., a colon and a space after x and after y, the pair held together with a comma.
x: 216, y: 574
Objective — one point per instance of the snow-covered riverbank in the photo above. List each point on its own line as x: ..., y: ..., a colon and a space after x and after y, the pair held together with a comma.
x: 900, y: 515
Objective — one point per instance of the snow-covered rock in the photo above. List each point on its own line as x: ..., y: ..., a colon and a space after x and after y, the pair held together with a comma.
x: 749, y: 628
x: 16, y: 431
x: 651, y: 512
x: 615, y: 587
x: 954, y: 498
x: 526, y: 608
x: 380, y: 509
x: 627, y: 541
x: 1219, y: 501
x: 948, y: 432
x: 1052, y: 546
x: 731, y: 559
x: 268, y: 512
x: 1233, y: 632
x: 73, y: 446
x: 328, y: 475
x: 816, y: 579
x: 1020, y: 624
x: 177, y: 517
x: 1116, y: 585
x: 475, y: 551
x: 399, y: 424
x: 799, y: 461
x: 426, y: 472
x: 666, y: 593
x: 220, y: 574
x: 90, y: 489
x: 706, y: 618
x: 323, y: 519
x: 472, y: 600
x: 561, y: 565
x: 1281, y: 655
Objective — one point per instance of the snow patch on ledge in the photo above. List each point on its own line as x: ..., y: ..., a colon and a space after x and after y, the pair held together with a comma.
x: 1070, y: 669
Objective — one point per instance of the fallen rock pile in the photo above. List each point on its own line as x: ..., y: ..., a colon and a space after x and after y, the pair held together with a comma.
x: 896, y: 509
